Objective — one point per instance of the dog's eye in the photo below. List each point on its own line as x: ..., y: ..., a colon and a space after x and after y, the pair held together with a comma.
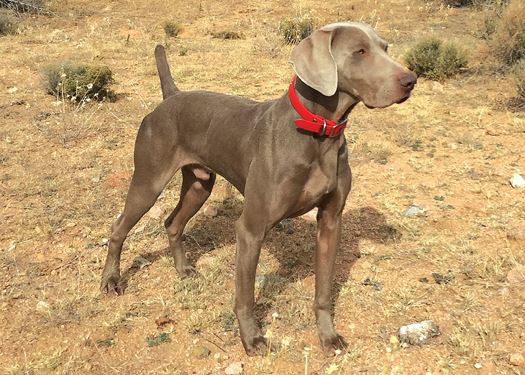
x: 360, y: 52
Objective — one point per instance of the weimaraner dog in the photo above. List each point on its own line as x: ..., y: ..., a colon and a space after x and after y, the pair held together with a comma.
x: 286, y: 156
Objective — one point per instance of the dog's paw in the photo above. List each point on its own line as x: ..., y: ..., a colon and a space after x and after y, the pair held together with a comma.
x: 187, y: 271
x: 110, y: 284
x: 257, y: 347
x: 330, y: 344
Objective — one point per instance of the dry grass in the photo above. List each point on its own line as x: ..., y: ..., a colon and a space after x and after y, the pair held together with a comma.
x: 64, y: 171
x: 509, y: 37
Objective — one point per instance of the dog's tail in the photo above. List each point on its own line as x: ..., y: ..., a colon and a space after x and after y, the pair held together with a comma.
x: 166, y: 80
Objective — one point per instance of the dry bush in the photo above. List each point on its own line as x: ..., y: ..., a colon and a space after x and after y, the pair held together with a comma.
x: 23, y: 6
x: 7, y: 25
x: 78, y: 82
x: 519, y: 74
x: 296, y: 29
x: 172, y: 28
x: 509, y: 38
x: 475, y: 3
x: 434, y: 59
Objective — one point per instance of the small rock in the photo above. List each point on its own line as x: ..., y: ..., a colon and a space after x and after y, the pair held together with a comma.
x: 373, y: 283
x: 160, y: 322
x: 234, y: 368
x: 516, y: 276
x: 413, y: 210
x: 12, y: 247
x: 437, y: 87
x: 442, y: 279
x: 310, y: 215
x: 42, y: 306
x: 516, y: 232
x: 156, y: 212
x: 418, y: 333
x: 96, y: 179
x: 477, y: 365
x: 517, y: 181
x: 210, y: 211
x: 104, y: 242
x: 491, y: 131
x: 423, y: 279
x: 286, y: 226
x: 140, y: 262
x: 517, y: 359
x: 200, y: 352
x: 12, y: 90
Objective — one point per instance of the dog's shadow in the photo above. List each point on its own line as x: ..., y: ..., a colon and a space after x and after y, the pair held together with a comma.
x: 293, y: 246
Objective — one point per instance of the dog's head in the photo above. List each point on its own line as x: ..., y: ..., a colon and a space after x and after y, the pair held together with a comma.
x: 351, y: 57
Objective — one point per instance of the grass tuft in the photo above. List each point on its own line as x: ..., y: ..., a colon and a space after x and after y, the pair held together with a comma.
x: 78, y: 82
x: 172, y: 28
x: 436, y: 60
x: 296, y: 29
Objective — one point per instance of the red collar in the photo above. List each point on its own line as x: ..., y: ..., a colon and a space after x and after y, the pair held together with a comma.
x: 311, y: 122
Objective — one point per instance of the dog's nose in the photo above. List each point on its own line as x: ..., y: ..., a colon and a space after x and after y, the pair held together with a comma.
x: 408, y: 80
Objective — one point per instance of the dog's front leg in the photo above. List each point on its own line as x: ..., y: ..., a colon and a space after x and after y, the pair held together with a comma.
x: 328, y: 237
x: 249, y: 241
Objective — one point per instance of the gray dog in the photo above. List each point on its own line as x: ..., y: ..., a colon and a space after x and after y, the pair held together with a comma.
x: 286, y: 156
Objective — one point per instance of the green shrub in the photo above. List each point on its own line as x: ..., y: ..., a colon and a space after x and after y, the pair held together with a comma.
x: 519, y: 74
x: 78, y: 82
x: 7, y: 25
x: 296, y: 29
x: 172, y: 28
x: 509, y: 40
x: 436, y: 60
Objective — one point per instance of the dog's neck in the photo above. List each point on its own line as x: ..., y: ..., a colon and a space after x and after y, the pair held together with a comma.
x: 336, y: 107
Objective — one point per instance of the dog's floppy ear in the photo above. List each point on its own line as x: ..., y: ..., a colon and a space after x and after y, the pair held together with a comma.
x: 314, y: 64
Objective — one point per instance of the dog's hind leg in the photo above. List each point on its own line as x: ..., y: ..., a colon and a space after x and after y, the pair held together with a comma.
x: 152, y: 173
x: 197, y: 185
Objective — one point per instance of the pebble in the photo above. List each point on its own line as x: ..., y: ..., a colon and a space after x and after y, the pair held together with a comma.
x: 156, y: 212
x: 516, y: 276
x: 234, y: 368
x: 477, y: 365
x: 516, y: 232
x: 12, y: 247
x: 517, y: 359
x: 12, y: 90
x: 442, y: 279
x: 104, y: 242
x: 413, y: 210
x: 200, y: 352
x: 210, y: 211
x: 517, y: 181
x: 437, y: 87
x: 418, y: 333
x: 310, y: 215
x: 286, y: 226
x: 140, y: 262
x: 42, y: 306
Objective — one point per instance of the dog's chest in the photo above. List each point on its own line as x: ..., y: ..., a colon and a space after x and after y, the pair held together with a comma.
x: 321, y: 179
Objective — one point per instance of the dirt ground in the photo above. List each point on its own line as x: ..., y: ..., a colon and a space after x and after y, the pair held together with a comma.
x: 64, y: 172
